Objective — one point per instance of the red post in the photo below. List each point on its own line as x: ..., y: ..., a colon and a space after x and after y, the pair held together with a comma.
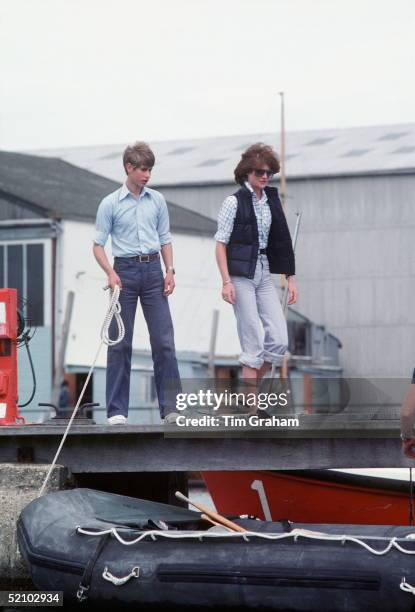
x: 9, y: 411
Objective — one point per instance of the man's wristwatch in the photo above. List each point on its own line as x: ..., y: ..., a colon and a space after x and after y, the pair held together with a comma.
x: 170, y: 269
x: 406, y: 438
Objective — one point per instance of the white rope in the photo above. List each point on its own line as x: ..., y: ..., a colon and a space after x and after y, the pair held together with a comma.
x: 405, y: 586
x: 114, y: 310
x: 135, y: 572
x: 294, y: 534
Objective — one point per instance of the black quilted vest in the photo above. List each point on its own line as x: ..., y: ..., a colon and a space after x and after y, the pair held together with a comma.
x: 243, y: 246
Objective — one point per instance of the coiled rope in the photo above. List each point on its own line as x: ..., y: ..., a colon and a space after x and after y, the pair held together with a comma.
x: 113, y: 312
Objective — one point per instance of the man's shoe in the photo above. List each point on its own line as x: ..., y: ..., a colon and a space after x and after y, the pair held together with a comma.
x: 171, y: 417
x: 117, y: 419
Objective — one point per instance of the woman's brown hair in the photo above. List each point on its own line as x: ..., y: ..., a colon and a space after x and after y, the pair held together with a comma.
x: 253, y: 158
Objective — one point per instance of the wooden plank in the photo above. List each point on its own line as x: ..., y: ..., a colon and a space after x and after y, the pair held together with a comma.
x: 130, y: 452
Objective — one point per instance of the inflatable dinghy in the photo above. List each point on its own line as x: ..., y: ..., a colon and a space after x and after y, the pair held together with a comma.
x: 102, y: 548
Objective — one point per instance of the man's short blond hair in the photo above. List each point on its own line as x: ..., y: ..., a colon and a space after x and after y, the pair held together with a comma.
x: 138, y: 155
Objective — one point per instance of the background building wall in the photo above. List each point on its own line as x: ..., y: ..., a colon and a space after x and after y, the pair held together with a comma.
x: 355, y: 262
x: 356, y: 267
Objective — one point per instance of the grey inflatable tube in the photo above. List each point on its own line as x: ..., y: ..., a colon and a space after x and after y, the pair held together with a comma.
x: 210, y: 569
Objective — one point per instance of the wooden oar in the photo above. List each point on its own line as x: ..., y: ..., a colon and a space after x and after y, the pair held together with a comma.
x: 212, y: 522
x: 214, y: 515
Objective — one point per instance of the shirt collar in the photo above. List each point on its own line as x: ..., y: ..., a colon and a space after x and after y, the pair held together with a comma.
x: 124, y: 192
x: 264, y: 195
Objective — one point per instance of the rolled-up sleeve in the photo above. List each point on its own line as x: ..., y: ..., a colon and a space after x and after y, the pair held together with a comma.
x: 163, y: 225
x: 103, y: 223
x: 226, y: 219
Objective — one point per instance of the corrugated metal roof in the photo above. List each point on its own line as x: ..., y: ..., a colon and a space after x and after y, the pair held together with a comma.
x: 360, y: 150
x: 57, y: 189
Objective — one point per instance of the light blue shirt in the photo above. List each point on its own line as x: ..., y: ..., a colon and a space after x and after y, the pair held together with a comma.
x: 137, y: 225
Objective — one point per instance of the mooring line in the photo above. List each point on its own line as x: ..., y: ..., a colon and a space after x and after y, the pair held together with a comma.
x: 114, y: 311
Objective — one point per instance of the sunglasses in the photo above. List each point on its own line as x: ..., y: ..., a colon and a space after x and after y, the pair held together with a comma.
x: 259, y: 173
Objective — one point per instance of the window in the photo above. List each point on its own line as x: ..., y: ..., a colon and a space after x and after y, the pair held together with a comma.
x: 35, y: 282
x: 22, y: 268
x: 15, y: 268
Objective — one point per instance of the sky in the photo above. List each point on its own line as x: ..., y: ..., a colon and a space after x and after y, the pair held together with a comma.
x: 91, y: 72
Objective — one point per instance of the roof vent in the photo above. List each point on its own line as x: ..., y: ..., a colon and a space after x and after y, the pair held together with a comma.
x: 319, y: 141
x: 111, y: 155
x: 356, y: 152
x: 181, y: 150
x: 405, y: 150
x: 211, y: 162
x: 393, y: 135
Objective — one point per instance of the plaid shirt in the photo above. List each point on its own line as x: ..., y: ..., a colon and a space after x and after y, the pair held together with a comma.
x: 227, y: 216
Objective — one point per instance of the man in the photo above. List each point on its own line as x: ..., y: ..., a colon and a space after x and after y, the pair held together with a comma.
x: 64, y: 396
x: 137, y: 219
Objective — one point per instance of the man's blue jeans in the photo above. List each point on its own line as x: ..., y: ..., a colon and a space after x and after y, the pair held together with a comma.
x: 144, y: 281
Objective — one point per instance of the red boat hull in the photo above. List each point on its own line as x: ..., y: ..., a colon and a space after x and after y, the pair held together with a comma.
x: 310, y: 496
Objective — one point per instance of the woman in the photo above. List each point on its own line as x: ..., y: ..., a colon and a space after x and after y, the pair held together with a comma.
x: 253, y: 241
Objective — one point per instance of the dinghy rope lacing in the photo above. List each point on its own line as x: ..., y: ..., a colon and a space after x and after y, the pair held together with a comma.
x: 405, y: 586
x: 113, y: 312
x: 294, y: 534
x: 106, y: 574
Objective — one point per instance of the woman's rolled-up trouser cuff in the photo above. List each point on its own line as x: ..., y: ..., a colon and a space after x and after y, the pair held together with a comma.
x: 251, y: 360
x: 274, y: 358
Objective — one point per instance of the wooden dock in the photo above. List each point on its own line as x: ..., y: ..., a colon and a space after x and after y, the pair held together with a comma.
x: 321, y: 441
